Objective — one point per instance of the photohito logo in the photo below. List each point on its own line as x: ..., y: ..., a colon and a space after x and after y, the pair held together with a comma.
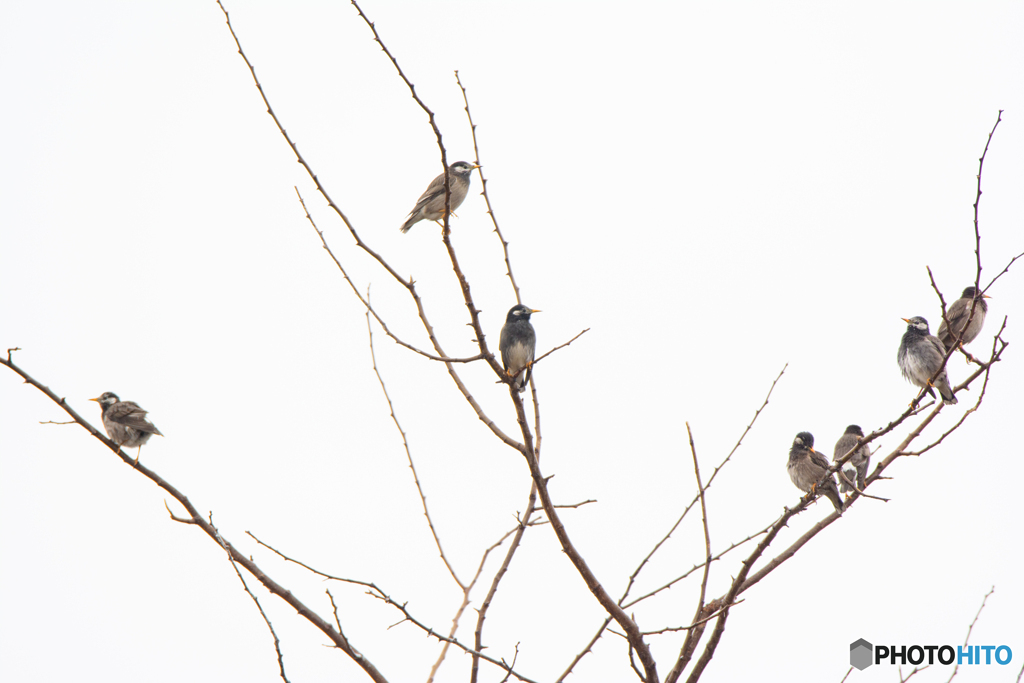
x: 863, y: 654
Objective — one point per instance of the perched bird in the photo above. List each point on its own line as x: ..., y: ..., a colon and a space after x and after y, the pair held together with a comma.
x: 430, y: 205
x: 125, y: 422
x: 807, y: 469
x: 517, y: 343
x: 859, y: 459
x: 920, y: 356
x: 958, y: 313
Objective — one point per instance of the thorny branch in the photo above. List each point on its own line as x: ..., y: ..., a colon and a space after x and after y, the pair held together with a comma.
x: 487, y: 197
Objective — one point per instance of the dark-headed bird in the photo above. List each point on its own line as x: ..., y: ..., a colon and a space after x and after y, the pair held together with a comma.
x: 807, y: 469
x: 517, y: 343
x: 920, y: 356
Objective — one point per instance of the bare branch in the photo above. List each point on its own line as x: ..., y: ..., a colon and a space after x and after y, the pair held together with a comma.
x: 1002, y: 272
x: 585, y: 651
x: 977, y: 203
x: 560, y: 346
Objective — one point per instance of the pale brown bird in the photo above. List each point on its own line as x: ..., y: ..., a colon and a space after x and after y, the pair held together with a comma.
x: 430, y: 205
x: 958, y: 313
x: 125, y: 422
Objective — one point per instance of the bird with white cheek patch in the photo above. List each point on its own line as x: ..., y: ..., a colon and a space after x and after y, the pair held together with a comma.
x: 518, y: 343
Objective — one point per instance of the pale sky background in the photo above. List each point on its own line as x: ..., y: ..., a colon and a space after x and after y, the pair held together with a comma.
x: 714, y: 189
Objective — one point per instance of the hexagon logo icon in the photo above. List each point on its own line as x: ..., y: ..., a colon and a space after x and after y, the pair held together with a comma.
x: 860, y: 654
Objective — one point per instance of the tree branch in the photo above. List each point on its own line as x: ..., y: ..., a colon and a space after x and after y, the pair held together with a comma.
x: 339, y: 640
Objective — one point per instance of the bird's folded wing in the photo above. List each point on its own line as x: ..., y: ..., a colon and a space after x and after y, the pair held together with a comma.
x: 132, y: 415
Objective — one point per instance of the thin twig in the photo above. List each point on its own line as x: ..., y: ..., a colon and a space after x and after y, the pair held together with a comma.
x: 286, y: 558
x: 1002, y: 272
x: 408, y: 453
x: 695, y: 567
x: 971, y: 627
x: 465, y: 603
x: 696, y: 498
x: 583, y: 653
x: 690, y: 642
x: 676, y: 629
x: 446, y: 639
x: 560, y: 346
x: 531, y: 505
x: 487, y: 197
x: 266, y: 619
x: 659, y: 544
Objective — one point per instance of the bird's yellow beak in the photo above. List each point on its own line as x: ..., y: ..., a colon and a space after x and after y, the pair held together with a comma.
x: 97, y: 399
x: 534, y: 310
x: 985, y: 296
x: 906, y: 320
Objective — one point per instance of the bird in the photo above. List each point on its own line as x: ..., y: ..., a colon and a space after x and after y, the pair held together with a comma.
x: 859, y: 460
x: 517, y: 344
x: 957, y: 315
x: 808, y: 469
x: 430, y: 205
x: 920, y: 356
x: 125, y: 422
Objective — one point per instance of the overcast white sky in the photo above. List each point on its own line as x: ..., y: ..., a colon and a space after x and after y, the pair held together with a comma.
x: 715, y: 190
